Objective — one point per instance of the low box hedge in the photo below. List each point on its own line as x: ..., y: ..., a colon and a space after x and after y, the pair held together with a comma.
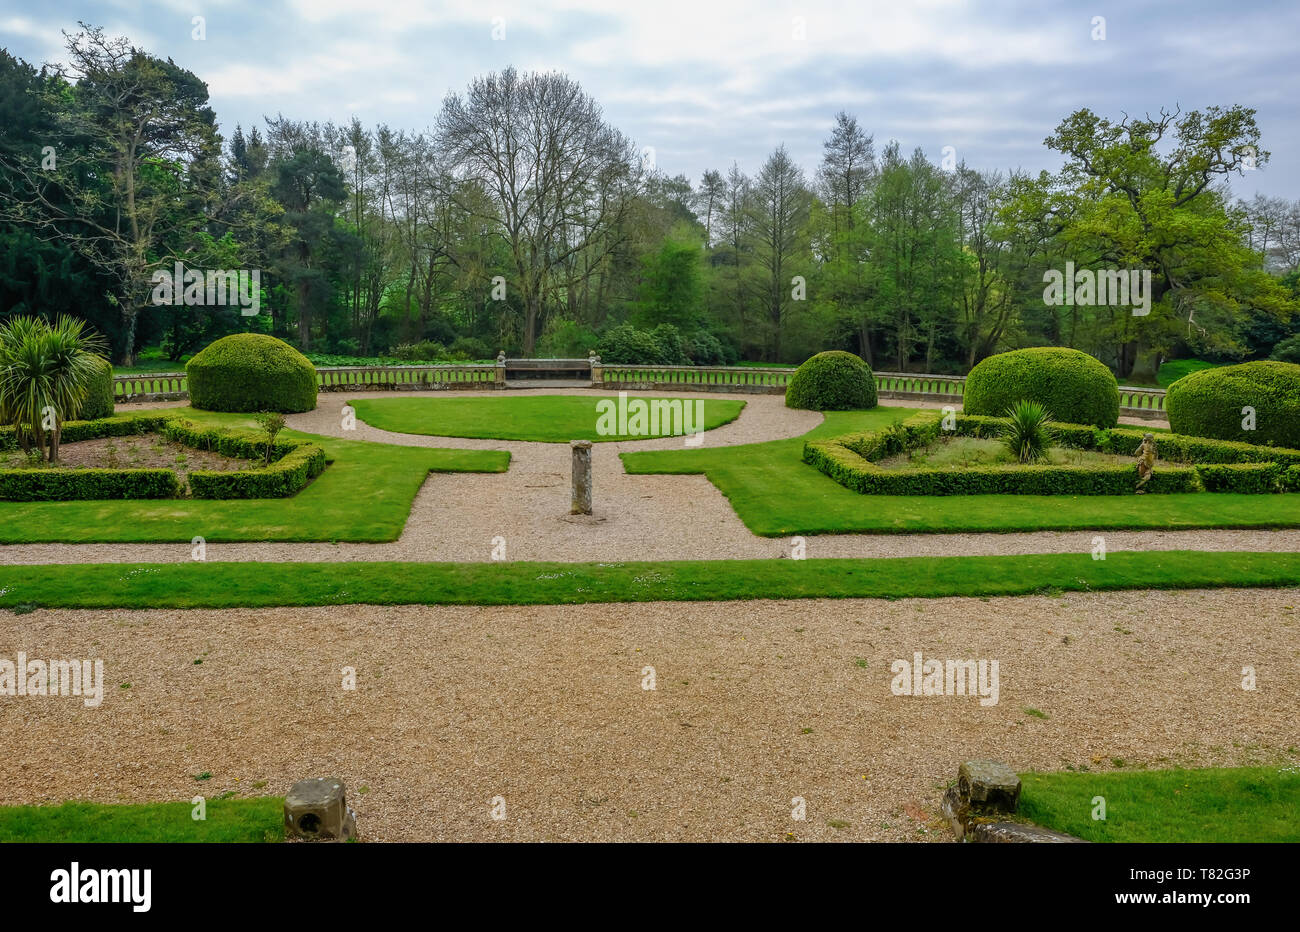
x: 1225, y: 466
x: 68, y: 485
x: 294, y: 463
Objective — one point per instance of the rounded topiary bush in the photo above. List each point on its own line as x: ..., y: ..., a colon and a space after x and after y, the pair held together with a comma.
x: 251, y: 372
x: 1209, y: 403
x: 99, y: 393
x: 833, y: 381
x: 1074, y: 387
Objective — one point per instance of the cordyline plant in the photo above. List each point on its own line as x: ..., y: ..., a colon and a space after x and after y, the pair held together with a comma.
x: 1026, y: 433
x: 45, y: 372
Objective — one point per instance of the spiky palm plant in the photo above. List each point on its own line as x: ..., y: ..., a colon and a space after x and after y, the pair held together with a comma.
x: 45, y: 371
x: 1026, y: 432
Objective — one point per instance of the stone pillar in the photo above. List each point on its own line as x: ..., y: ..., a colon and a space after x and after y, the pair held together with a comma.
x: 581, y: 477
x: 597, y: 370
x: 501, y: 370
x: 317, y: 810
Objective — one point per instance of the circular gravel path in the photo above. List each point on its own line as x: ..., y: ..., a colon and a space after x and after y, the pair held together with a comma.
x: 455, y: 516
x: 544, y: 706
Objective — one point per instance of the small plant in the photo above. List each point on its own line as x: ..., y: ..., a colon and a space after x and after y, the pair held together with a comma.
x: 1102, y: 440
x: 110, y: 455
x: 1026, y: 433
x: 272, y: 422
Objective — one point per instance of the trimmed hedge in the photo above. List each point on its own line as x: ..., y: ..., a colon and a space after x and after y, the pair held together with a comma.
x: 294, y: 463
x: 832, y: 381
x: 1073, y: 386
x: 1227, y: 467
x: 99, y: 396
x: 251, y: 372
x: 1243, y: 478
x: 1209, y: 403
x: 67, y: 485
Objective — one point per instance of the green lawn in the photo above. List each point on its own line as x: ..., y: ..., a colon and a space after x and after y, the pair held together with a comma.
x: 227, y: 820
x: 365, y: 494
x: 545, y: 418
x: 220, y: 585
x: 1175, y: 369
x: 1242, y: 804
x: 776, y: 494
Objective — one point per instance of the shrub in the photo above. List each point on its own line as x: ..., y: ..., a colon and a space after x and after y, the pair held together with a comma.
x: 99, y: 393
x: 705, y: 349
x: 1026, y: 433
x: 668, y: 342
x: 832, y: 381
x: 251, y: 372
x: 1245, y: 478
x: 66, y: 485
x: 626, y: 345
x: 1074, y: 386
x: 1209, y: 403
x: 424, y: 351
x: 471, y: 348
x: 1288, y: 350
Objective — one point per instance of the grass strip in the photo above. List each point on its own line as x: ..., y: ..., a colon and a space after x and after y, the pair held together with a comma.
x: 260, y: 819
x: 1237, y: 804
x: 222, y: 585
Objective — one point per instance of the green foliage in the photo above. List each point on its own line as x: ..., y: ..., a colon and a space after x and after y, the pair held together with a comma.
x: 629, y: 346
x: 251, y: 372
x: 99, y: 393
x: 65, y: 485
x: 1026, y: 433
x: 1210, y: 403
x: 1288, y: 350
x: 1242, y: 478
x: 567, y: 339
x: 832, y: 381
x: 424, y: 351
x: 850, y: 460
x: 671, y: 289
x: 470, y: 349
x: 1074, y: 386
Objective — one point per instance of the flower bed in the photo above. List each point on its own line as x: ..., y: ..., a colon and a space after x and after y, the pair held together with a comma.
x: 293, y: 464
x: 1205, y: 465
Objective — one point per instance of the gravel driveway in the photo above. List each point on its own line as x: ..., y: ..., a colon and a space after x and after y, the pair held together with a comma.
x: 754, y: 705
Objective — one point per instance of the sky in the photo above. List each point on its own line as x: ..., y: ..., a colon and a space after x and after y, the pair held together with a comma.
x: 702, y: 84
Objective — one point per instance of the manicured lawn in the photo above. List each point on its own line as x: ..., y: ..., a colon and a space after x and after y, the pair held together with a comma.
x: 227, y: 820
x: 776, y: 494
x: 510, y: 416
x: 365, y: 494
x: 1241, y: 804
x: 218, y: 585
x: 1175, y: 369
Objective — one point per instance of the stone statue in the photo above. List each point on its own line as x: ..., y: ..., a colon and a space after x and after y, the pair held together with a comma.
x: 1146, y: 460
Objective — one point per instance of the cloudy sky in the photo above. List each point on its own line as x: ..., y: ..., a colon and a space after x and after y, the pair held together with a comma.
x: 705, y: 83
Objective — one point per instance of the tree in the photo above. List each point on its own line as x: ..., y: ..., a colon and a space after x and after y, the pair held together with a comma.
x: 779, y: 213
x: 558, y: 176
x: 1146, y: 194
x: 135, y: 166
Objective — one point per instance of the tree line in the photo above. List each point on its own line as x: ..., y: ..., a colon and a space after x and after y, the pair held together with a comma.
x: 522, y: 220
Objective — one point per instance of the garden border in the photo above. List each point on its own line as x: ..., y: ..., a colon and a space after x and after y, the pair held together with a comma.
x: 1227, y: 466
x: 294, y: 464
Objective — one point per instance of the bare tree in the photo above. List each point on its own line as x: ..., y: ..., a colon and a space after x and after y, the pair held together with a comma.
x: 780, y: 214
x: 558, y: 176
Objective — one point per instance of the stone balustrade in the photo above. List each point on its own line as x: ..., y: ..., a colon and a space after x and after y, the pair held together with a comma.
x: 898, y: 386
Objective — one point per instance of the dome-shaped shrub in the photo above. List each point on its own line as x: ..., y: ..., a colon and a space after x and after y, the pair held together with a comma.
x: 1073, y: 386
x: 834, y: 381
x: 1209, y: 403
x: 251, y: 372
x: 99, y: 393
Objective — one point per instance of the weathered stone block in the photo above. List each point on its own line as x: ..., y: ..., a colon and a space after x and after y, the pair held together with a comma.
x: 988, y: 786
x: 581, y: 477
x: 1016, y: 833
x: 317, y: 810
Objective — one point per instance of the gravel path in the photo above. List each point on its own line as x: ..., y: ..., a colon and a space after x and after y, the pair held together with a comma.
x: 544, y: 706
x: 455, y: 516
